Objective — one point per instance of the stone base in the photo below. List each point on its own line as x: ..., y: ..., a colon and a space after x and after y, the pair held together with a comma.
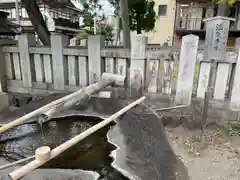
x: 4, y: 101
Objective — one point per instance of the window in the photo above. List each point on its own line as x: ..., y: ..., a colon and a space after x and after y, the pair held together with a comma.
x: 162, y: 10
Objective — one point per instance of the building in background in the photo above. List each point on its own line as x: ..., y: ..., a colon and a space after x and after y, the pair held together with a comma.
x: 189, y: 20
x: 163, y: 32
x: 64, y: 14
x: 177, y: 18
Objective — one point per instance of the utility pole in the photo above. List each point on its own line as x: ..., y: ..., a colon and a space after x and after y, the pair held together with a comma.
x: 118, y: 26
x: 95, y: 25
x: 17, y: 11
x: 17, y: 15
x: 126, y: 38
x: 125, y: 24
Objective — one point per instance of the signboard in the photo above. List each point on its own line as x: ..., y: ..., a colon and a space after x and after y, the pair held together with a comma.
x: 216, y: 38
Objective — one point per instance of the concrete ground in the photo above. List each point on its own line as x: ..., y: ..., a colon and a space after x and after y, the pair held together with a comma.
x: 218, y: 160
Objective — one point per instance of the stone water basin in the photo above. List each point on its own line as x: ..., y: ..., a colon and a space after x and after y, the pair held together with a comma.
x: 133, y: 147
x: 92, y: 154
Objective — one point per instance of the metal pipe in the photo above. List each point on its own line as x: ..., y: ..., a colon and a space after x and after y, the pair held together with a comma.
x: 171, y: 108
x: 17, y: 11
x: 16, y: 162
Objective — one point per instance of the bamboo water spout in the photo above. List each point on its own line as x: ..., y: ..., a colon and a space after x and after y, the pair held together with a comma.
x: 71, y: 99
x: 19, y: 173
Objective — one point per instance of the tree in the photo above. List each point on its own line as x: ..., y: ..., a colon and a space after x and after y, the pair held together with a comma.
x: 88, y: 28
x: 92, y: 7
x: 229, y: 2
x: 90, y: 10
x: 224, y: 6
x: 37, y: 20
x: 106, y: 30
x: 124, y: 14
x: 102, y: 29
x: 141, y: 14
x: 91, y: 13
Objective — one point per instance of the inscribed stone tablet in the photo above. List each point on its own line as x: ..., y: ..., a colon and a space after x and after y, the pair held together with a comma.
x: 216, y: 39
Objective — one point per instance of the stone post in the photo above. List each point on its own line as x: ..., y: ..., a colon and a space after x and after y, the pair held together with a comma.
x: 138, y: 65
x: 58, y: 42
x: 95, y: 65
x: 188, y: 56
x: 26, y: 40
x: 215, y: 49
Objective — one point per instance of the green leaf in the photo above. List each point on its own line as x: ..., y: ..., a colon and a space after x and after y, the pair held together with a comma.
x: 142, y: 16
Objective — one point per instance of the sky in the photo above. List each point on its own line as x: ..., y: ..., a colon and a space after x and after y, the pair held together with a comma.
x: 108, y: 10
